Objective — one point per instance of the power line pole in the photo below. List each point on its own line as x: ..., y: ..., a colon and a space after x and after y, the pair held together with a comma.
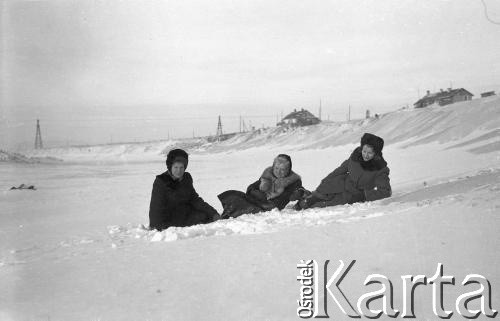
x: 349, y: 116
x: 38, y: 137
x: 319, y: 110
x: 219, y: 130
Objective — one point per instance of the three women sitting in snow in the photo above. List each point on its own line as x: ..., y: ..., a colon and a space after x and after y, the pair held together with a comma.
x: 364, y: 176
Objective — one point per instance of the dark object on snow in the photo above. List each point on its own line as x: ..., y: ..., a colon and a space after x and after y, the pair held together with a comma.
x: 23, y: 186
x: 257, y: 198
x: 177, y: 155
x: 355, y: 180
x: 236, y: 203
x: 176, y: 203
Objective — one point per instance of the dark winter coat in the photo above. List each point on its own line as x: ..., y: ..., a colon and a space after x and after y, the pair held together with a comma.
x: 236, y: 203
x: 279, y: 202
x: 355, y: 181
x: 176, y: 203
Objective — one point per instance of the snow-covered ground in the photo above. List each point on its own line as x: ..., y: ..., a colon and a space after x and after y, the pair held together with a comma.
x: 76, y: 248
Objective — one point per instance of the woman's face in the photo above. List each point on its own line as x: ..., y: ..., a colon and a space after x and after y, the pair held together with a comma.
x: 368, y: 153
x: 177, y: 169
x: 281, y: 169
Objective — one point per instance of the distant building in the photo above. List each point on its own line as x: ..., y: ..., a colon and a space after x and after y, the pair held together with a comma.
x: 487, y: 94
x: 444, y: 97
x: 299, y: 118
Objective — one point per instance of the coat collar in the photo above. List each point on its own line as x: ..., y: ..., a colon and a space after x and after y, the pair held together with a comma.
x: 168, y: 179
x: 376, y: 164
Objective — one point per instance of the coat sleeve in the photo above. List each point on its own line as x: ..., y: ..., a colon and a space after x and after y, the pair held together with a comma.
x: 282, y: 200
x: 334, y: 182
x: 342, y: 169
x: 382, y: 187
x: 255, y: 196
x: 158, y: 214
x: 254, y: 190
x: 199, y: 204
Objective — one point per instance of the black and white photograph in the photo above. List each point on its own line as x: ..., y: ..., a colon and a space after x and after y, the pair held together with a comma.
x: 249, y: 160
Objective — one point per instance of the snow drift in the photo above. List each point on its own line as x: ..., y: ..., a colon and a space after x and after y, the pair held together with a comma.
x: 478, y: 120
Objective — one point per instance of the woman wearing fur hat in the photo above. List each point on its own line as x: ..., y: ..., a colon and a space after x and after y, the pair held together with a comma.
x: 362, y: 177
x: 174, y: 201
x: 276, y: 187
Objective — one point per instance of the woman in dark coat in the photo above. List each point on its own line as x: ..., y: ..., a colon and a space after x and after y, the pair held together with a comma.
x: 362, y: 177
x: 174, y: 201
x: 277, y: 186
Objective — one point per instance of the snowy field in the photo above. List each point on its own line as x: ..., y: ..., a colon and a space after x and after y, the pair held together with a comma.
x: 76, y: 247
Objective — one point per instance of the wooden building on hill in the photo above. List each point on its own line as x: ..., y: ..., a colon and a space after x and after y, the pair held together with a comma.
x: 488, y: 94
x: 299, y: 118
x: 444, y: 97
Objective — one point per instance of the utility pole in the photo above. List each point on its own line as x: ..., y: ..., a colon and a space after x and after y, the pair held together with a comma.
x: 349, y: 116
x: 240, y: 123
x: 38, y: 137
x: 319, y: 110
x: 219, y: 130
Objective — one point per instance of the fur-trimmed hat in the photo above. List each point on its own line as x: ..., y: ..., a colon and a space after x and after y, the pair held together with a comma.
x: 177, y: 155
x: 374, y: 141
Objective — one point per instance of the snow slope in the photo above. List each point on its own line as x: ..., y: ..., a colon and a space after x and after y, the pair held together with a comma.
x: 76, y: 248
x: 477, y: 120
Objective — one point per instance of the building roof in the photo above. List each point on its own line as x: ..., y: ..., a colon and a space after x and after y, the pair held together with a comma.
x: 443, y: 94
x: 302, y: 114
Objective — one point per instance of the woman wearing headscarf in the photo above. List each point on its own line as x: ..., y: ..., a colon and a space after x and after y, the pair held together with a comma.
x: 364, y: 176
x: 276, y: 187
x: 174, y: 201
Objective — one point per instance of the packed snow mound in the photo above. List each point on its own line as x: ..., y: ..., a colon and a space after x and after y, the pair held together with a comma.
x: 20, y: 158
x: 484, y: 188
x: 118, y: 152
x: 477, y: 121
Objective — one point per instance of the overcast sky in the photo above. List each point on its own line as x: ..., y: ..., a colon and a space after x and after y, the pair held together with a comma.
x: 96, y: 71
